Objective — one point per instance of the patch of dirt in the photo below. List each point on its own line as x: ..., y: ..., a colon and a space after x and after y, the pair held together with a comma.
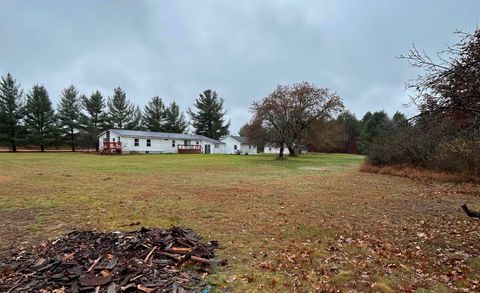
x: 14, y: 227
x: 21, y: 228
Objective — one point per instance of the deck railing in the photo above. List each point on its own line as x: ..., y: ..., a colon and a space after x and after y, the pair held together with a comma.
x: 111, y: 147
x: 189, y: 149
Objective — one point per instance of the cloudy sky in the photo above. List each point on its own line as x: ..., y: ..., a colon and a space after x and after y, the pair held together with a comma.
x: 241, y: 49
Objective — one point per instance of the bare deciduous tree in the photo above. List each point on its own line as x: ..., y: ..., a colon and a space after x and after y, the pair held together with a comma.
x: 289, y: 111
x: 450, y: 86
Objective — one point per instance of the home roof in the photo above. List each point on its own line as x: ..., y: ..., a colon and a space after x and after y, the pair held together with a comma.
x: 240, y: 139
x: 164, y: 135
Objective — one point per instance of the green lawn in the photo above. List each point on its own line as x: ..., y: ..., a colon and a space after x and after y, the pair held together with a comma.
x: 308, y: 222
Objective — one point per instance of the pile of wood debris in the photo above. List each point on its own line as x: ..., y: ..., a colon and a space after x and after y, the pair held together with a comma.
x: 148, y: 260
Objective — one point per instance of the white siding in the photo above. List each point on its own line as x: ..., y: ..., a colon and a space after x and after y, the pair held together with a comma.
x: 230, y: 144
x: 158, y: 145
x: 248, y: 149
x: 274, y: 150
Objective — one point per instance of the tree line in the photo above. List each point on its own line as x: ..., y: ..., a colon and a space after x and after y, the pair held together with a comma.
x: 345, y: 133
x: 444, y: 136
x: 322, y: 126
x: 31, y: 120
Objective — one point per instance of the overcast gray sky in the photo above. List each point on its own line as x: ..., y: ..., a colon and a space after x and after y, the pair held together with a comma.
x: 241, y: 49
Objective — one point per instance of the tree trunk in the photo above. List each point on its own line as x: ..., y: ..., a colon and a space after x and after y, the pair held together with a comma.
x: 72, y: 135
x: 291, y: 151
x: 42, y: 148
x: 280, y: 155
x: 14, y: 145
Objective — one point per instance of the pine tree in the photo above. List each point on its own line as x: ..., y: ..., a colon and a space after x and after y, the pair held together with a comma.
x: 95, y: 120
x: 69, y: 114
x: 11, y: 111
x: 136, y: 120
x: 40, y: 117
x: 399, y: 119
x: 174, y: 119
x: 209, y: 119
x: 120, y: 110
x: 154, y: 114
x: 374, y: 125
x: 352, y: 127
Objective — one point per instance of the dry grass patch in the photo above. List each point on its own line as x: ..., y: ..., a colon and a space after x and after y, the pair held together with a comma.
x: 420, y: 174
x: 306, y: 223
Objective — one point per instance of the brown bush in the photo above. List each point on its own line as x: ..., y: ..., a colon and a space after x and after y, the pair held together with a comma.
x: 458, y: 156
x: 418, y: 173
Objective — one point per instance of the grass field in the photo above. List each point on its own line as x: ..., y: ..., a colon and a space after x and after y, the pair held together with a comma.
x: 301, y: 224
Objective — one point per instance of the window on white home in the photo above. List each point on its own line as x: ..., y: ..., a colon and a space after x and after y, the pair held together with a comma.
x: 235, y: 147
x: 197, y: 142
x: 118, y: 138
x: 216, y: 146
x: 113, y: 139
x: 249, y: 147
x: 269, y: 149
x: 173, y: 143
x: 136, y: 142
x: 149, y: 142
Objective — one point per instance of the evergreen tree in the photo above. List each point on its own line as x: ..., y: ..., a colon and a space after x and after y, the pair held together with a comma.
x: 352, y: 130
x: 174, y: 119
x: 136, y: 120
x: 57, y: 134
x: 40, y: 117
x: 69, y: 113
x: 120, y: 110
x: 154, y: 115
x: 11, y: 111
x: 376, y: 125
x: 365, y: 118
x: 95, y: 120
x: 399, y: 120
x: 209, y: 119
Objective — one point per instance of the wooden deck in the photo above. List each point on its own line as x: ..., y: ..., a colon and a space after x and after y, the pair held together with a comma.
x: 189, y: 149
x: 111, y: 147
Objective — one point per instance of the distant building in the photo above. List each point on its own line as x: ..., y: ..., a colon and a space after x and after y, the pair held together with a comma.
x: 133, y: 141
x: 272, y: 149
x: 239, y: 145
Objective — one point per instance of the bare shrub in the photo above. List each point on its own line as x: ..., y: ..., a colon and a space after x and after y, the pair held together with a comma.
x: 459, y: 155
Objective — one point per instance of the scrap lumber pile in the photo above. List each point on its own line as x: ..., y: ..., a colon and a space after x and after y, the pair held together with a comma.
x: 148, y: 260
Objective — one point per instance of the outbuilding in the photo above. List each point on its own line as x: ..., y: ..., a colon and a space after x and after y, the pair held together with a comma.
x: 239, y: 145
x: 273, y: 149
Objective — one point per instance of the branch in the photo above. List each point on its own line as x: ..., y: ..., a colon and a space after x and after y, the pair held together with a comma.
x: 470, y: 213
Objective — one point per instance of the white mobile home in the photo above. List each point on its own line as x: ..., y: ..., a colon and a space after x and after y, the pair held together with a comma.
x: 272, y: 149
x: 133, y: 141
x: 239, y: 145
